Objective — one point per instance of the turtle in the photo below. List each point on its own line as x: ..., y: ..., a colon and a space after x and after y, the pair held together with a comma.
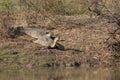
x: 44, y: 38
x: 33, y: 32
x: 46, y: 41
x: 49, y: 42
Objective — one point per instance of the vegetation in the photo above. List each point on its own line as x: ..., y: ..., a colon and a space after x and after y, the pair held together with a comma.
x: 89, y: 30
x: 63, y: 7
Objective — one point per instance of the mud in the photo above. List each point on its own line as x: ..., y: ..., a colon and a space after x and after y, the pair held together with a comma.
x: 84, y: 39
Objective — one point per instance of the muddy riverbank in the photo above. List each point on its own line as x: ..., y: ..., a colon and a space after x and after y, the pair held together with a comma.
x: 85, y: 41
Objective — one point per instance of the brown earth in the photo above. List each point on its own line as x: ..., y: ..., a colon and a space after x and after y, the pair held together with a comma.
x: 84, y: 39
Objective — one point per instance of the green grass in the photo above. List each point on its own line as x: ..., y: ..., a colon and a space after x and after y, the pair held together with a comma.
x: 62, y: 7
x: 6, y: 5
x: 2, y: 56
x: 8, y: 54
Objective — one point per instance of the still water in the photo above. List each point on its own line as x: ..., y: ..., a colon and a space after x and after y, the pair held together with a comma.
x: 61, y: 74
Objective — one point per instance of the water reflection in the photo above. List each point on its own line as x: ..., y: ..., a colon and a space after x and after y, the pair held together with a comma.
x: 61, y: 74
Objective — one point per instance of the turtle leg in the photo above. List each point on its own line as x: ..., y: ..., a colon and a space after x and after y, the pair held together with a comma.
x: 54, y: 42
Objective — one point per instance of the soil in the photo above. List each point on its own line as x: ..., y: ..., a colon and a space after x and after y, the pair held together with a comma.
x: 87, y: 42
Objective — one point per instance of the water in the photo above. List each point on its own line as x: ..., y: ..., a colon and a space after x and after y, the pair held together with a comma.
x: 61, y: 74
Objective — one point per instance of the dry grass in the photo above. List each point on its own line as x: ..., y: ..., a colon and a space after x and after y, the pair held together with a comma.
x: 84, y: 38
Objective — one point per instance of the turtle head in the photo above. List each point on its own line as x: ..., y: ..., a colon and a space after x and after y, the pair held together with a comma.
x: 20, y: 29
x: 48, y: 34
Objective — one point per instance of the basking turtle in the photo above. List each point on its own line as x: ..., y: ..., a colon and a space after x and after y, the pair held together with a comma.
x: 47, y: 41
x: 34, y: 32
x: 44, y: 38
